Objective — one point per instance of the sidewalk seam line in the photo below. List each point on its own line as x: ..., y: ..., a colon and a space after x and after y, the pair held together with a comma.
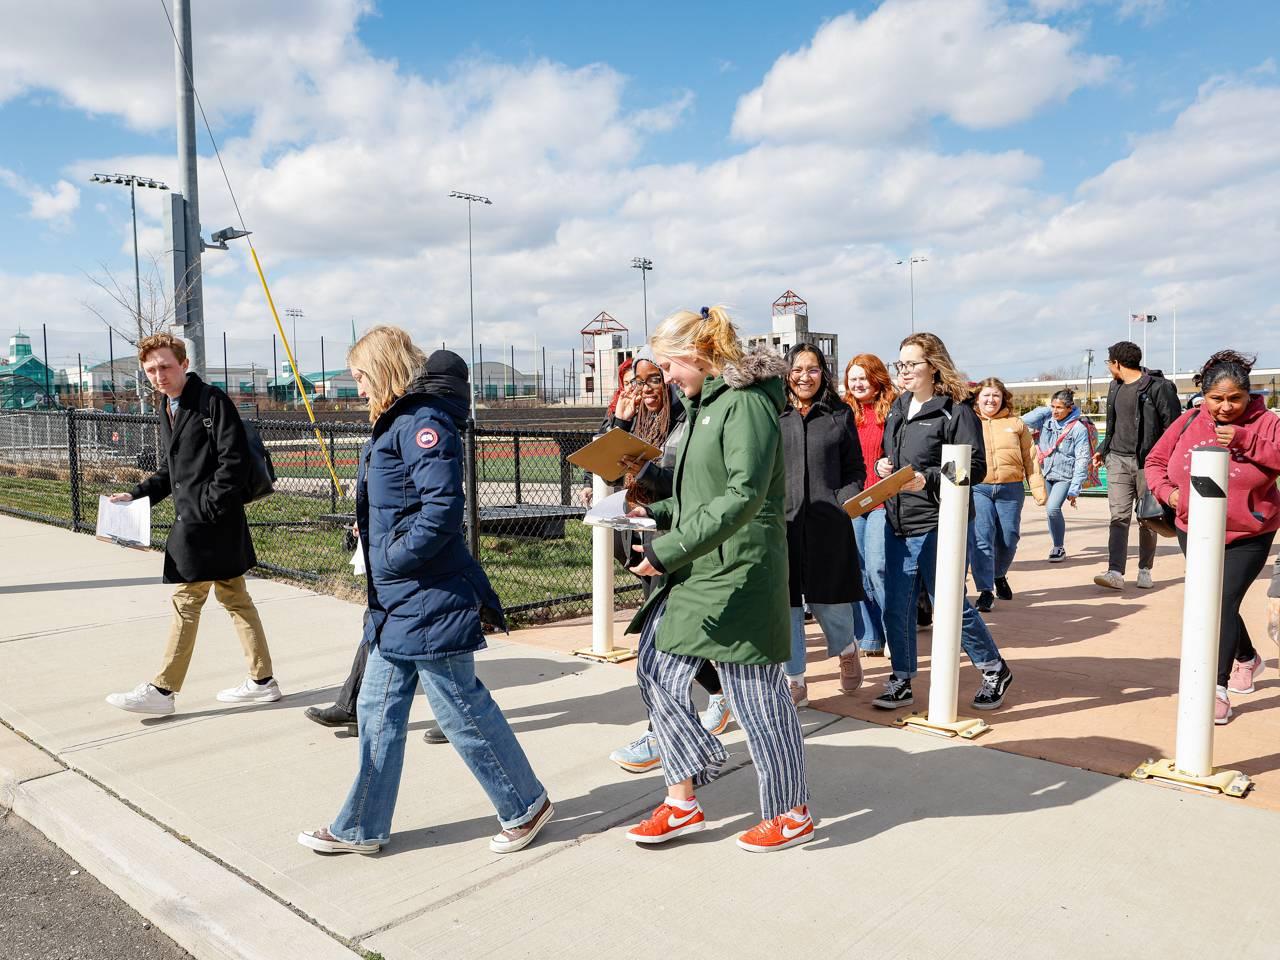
x: 186, y: 841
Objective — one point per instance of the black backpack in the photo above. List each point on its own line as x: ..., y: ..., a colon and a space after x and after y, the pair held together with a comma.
x: 261, y: 479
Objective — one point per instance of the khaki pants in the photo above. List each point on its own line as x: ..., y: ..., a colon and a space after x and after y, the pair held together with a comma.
x: 188, y: 600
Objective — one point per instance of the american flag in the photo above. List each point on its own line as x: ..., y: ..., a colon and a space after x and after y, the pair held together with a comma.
x: 1142, y: 318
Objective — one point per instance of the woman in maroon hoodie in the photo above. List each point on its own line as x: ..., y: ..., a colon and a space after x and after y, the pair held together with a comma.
x: 1232, y: 418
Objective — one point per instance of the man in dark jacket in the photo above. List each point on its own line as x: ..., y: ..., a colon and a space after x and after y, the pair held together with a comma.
x: 205, y: 467
x: 1140, y: 406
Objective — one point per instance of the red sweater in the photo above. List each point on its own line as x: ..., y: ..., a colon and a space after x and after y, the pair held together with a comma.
x: 1253, y: 502
x: 871, y: 437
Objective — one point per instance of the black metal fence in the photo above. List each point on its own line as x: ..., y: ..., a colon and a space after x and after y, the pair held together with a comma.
x: 523, y: 511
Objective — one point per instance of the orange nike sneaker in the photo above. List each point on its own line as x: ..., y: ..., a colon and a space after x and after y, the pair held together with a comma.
x: 781, y: 832
x: 667, y: 823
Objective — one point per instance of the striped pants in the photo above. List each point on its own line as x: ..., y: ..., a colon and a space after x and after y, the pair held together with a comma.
x: 760, y: 702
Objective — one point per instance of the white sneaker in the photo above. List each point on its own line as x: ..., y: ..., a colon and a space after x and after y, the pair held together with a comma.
x: 717, y: 715
x: 322, y: 841
x: 250, y: 691
x: 1144, y: 579
x: 1112, y: 580
x: 144, y: 698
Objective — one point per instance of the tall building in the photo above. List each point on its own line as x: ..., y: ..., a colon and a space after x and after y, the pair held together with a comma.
x: 791, y: 326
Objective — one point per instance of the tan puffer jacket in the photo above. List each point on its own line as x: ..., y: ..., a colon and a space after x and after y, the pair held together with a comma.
x: 1011, y: 455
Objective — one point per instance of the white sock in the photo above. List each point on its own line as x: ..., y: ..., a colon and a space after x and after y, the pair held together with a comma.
x: 851, y: 648
x: 799, y: 679
x: 690, y: 804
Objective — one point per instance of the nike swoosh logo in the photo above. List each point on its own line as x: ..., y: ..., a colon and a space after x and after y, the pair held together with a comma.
x: 674, y: 822
x: 790, y: 834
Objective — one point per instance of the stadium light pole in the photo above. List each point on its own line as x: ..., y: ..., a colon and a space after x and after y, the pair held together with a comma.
x: 133, y: 181
x: 471, y: 288
x: 911, y: 273
x: 644, y: 265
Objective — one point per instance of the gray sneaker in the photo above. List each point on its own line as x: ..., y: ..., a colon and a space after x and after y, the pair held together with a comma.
x: 638, y: 756
x: 1112, y: 580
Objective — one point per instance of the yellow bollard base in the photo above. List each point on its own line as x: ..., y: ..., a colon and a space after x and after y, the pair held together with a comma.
x: 1230, y: 783
x: 963, y: 727
x: 616, y: 655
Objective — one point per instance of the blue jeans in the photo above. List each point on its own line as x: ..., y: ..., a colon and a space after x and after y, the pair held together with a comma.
x: 868, y: 531
x: 994, y: 533
x: 839, y: 623
x: 469, y: 718
x: 911, y: 562
x: 1057, y: 496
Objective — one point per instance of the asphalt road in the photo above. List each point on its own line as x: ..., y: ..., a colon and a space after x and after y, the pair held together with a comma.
x: 52, y: 909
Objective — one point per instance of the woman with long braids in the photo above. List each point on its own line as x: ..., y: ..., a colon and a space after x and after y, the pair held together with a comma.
x: 722, y: 556
x: 1230, y: 417
x: 930, y: 413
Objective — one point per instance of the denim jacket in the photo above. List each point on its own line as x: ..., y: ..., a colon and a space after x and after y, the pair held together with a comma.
x: 1070, y: 461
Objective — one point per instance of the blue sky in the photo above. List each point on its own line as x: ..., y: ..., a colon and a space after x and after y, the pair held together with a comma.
x: 1058, y: 161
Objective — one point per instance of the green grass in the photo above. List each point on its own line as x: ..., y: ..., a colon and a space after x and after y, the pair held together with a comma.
x: 522, y: 571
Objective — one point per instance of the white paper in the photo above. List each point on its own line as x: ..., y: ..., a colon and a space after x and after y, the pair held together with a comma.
x: 128, y: 524
x: 612, y: 512
x: 357, y: 560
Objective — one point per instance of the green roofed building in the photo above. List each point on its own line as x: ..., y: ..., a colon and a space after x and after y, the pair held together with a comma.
x: 24, y: 379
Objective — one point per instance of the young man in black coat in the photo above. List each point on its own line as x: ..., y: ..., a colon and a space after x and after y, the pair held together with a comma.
x: 205, y: 467
x: 1140, y: 406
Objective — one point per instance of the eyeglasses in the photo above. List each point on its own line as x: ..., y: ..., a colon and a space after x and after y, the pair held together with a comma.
x: 653, y: 381
x: 813, y: 373
x: 906, y: 366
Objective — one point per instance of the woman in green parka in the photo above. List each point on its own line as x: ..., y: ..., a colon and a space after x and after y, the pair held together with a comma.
x: 723, y: 596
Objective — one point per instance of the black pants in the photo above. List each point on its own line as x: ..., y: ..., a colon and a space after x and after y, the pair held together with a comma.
x: 1242, y: 562
x: 351, y: 688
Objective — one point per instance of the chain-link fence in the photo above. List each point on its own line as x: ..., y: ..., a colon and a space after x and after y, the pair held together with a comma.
x: 523, y: 520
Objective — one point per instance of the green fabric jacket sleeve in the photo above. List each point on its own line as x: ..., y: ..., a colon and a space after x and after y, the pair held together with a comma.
x: 662, y: 511
x: 750, y: 443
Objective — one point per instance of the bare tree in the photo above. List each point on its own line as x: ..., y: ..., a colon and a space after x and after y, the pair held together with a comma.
x: 1064, y: 372
x: 157, y: 311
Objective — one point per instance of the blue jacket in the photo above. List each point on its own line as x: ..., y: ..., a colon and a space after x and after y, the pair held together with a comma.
x: 427, y: 594
x: 1070, y: 461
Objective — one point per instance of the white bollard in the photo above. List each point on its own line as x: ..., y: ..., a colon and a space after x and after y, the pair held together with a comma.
x: 601, y: 578
x: 1192, y: 763
x: 948, y: 599
x: 1202, y: 610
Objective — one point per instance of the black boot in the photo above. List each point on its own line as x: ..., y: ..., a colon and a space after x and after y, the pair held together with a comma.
x: 986, y: 600
x: 333, y: 716
x: 433, y: 733
x: 1002, y: 588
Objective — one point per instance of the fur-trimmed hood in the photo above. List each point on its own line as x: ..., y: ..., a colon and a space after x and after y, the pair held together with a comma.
x: 758, y: 365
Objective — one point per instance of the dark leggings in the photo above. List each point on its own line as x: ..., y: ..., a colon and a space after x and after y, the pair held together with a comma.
x: 1242, y: 562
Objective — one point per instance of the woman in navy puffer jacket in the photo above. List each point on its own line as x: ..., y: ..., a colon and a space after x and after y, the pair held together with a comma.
x: 427, y: 598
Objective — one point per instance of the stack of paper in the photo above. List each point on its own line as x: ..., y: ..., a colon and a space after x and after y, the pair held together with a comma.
x: 128, y: 524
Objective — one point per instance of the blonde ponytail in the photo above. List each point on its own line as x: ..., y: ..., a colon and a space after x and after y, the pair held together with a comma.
x: 710, y: 334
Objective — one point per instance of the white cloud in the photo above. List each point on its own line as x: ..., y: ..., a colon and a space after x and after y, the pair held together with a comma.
x: 53, y: 206
x: 910, y: 61
x: 343, y: 174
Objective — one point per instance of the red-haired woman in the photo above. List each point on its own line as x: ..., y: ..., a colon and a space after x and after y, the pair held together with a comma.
x: 868, y: 389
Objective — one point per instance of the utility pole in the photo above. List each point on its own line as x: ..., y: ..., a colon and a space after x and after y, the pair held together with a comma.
x: 190, y: 296
x: 644, y: 265
x: 911, y: 273
x: 1088, y: 378
x: 471, y: 285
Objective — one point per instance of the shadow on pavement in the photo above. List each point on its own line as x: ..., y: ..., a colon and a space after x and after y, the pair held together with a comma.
x: 78, y: 585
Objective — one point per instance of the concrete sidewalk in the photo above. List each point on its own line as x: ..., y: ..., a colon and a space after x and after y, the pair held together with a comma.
x: 925, y: 847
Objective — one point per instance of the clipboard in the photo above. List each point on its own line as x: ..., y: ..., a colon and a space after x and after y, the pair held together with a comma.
x: 602, y: 454
x: 878, y: 493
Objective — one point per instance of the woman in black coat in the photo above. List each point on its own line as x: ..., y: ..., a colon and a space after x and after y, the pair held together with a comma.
x: 824, y: 469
